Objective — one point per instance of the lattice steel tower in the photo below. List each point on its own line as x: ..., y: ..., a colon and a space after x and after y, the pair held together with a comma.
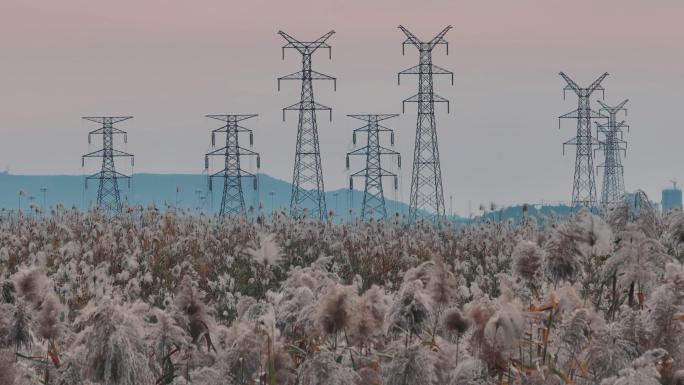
x: 233, y: 199
x: 613, y: 145
x: 427, y: 195
x: 108, y: 195
x: 584, y: 186
x: 373, y: 195
x: 307, y: 180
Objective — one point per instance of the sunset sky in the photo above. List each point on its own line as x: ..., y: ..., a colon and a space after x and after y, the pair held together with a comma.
x: 169, y: 63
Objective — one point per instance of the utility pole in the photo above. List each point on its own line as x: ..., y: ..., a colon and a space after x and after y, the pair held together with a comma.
x: 308, y: 191
x: 108, y: 195
x: 427, y: 194
x: 584, y: 186
x: 233, y: 199
x: 613, y: 188
x: 373, y: 195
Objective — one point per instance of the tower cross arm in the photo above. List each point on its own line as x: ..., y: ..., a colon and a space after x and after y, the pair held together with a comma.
x: 384, y: 173
x: 359, y: 151
x: 232, y: 118
x: 101, y: 153
x: 367, y: 127
x: 307, y: 106
x: 617, y: 108
x: 596, y: 85
x: 226, y: 128
x: 320, y: 41
x: 574, y: 114
x: 101, y: 131
x: 112, y: 120
x: 417, y: 99
x: 410, y: 37
x: 306, y: 47
x: 107, y: 175
x: 416, y: 70
x: 387, y: 151
x: 315, y: 75
x: 224, y: 150
x: 222, y: 174
x: 292, y: 42
x: 378, y: 117
x: 571, y: 83
x: 439, y: 39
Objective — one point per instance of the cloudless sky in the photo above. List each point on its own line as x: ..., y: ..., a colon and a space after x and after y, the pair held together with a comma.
x: 170, y: 62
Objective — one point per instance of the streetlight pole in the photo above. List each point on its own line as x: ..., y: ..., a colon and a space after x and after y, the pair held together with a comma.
x: 335, y: 195
x: 272, y: 194
x: 21, y: 194
x: 43, y: 190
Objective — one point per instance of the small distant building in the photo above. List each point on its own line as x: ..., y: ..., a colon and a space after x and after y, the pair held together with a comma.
x: 672, y: 198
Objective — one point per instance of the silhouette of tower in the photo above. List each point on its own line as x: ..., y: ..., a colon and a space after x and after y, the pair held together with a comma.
x: 613, y: 144
x: 373, y: 195
x: 233, y: 199
x: 427, y: 195
x: 108, y: 195
x: 584, y: 186
x: 308, y: 191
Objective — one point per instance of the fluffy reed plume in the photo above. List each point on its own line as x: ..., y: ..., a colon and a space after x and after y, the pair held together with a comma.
x: 48, y: 318
x: 646, y: 370
x: 504, y: 330
x: 527, y: 259
x: 454, y: 322
x: 442, y: 285
x: 189, y: 303
x: 368, y: 317
x: 335, y: 310
x: 32, y: 285
x: 115, y: 351
x: 411, y: 311
x: 323, y: 369
x: 469, y: 372
x: 413, y: 366
x: 7, y: 368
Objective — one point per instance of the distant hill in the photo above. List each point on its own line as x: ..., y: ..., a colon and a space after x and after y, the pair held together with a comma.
x: 190, y: 191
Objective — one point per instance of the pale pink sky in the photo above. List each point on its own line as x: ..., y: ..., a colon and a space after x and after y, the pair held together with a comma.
x: 169, y: 63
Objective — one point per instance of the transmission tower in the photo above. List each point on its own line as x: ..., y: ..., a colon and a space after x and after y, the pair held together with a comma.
x: 373, y: 196
x: 108, y: 195
x: 613, y: 144
x: 427, y: 194
x: 307, y: 179
x: 233, y: 200
x: 584, y: 186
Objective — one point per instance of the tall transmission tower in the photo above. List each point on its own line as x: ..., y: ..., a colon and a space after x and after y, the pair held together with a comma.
x: 613, y: 145
x: 584, y: 186
x: 373, y: 195
x: 427, y: 194
x: 233, y: 199
x: 108, y: 195
x: 307, y: 180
